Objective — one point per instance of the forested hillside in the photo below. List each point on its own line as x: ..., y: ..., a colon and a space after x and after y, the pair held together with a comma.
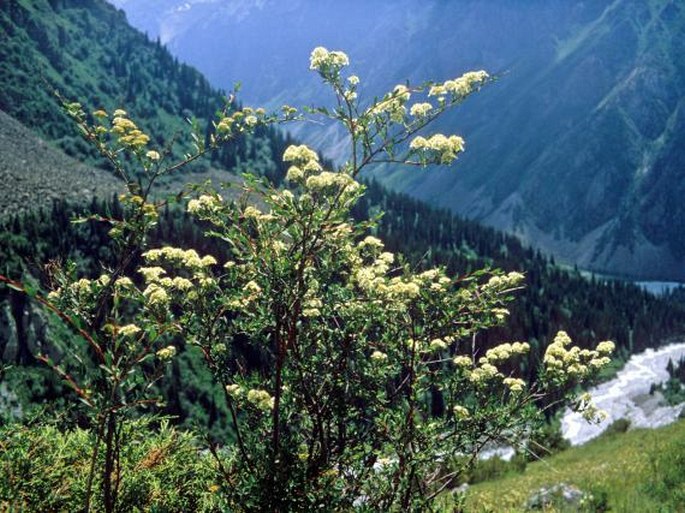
x: 86, y: 52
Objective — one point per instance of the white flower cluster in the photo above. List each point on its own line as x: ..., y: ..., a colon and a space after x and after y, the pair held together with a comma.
x: 440, y: 147
x: 379, y: 356
x: 312, y: 307
x: 234, y: 390
x: 129, y: 330
x: 324, y: 61
x: 504, y: 352
x: 306, y: 170
x: 461, y: 412
x: 304, y: 161
x: 82, y: 286
x: 434, y: 279
x: 564, y: 362
x: 188, y: 258
x: 392, y: 104
x: 460, y: 87
x: 437, y: 344
x: 205, y: 203
x: 508, y: 281
x: 327, y: 179
x: 156, y: 295
x: 420, y: 110
x: 515, y: 385
x: 241, y: 121
x: 261, y: 399
x: 484, y: 373
x: 166, y: 353
x: 126, y: 131
x: 463, y: 361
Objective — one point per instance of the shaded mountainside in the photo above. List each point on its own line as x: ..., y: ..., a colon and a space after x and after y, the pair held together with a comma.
x: 578, y: 148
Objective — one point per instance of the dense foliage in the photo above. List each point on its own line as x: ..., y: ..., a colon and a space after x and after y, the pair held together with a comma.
x: 349, y: 376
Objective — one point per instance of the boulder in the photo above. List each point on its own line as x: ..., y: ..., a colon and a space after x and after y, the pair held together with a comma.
x: 558, y: 494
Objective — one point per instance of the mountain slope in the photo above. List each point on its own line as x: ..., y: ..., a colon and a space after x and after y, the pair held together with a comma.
x: 577, y: 148
x: 88, y: 53
x: 640, y: 470
x: 32, y: 172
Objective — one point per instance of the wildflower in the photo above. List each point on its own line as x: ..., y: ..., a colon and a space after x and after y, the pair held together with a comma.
x: 386, y: 258
x: 318, y: 58
x: 234, y: 390
x: 326, y: 179
x: 294, y: 174
x: 321, y: 60
x: 515, y: 384
x: 350, y: 96
x: 372, y: 242
x: 156, y: 295
x: 437, y: 344
x: 301, y: 153
x: 252, y: 287
x: 129, y: 330
x: 82, y: 286
x: 462, y: 361
x: 379, y: 356
x: 153, y: 155
x: 166, y: 353
x: 460, y: 412
x: 208, y: 260
x: 401, y: 92
x: 484, y: 373
x: 403, y: 289
x: 182, y: 284
x: 151, y: 273
x: 460, y: 87
x: 123, y: 283
x: 353, y: 80
x: 261, y: 399
x: 605, y: 348
x: 205, y: 202
x: 420, y: 110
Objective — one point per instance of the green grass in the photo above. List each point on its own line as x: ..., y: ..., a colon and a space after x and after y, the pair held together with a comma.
x: 638, y: 471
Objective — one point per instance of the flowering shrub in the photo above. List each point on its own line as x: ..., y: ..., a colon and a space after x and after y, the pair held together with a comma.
x: 350, y: 376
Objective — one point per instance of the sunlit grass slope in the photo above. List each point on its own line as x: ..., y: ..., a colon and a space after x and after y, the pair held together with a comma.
x: 637, y: 471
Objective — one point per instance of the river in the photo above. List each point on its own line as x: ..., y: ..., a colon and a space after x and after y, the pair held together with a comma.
x: 627, y: 396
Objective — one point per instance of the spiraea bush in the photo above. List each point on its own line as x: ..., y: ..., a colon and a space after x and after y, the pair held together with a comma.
x: 350, y: 377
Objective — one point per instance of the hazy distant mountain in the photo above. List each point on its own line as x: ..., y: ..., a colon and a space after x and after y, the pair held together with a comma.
x: 577, y: 148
